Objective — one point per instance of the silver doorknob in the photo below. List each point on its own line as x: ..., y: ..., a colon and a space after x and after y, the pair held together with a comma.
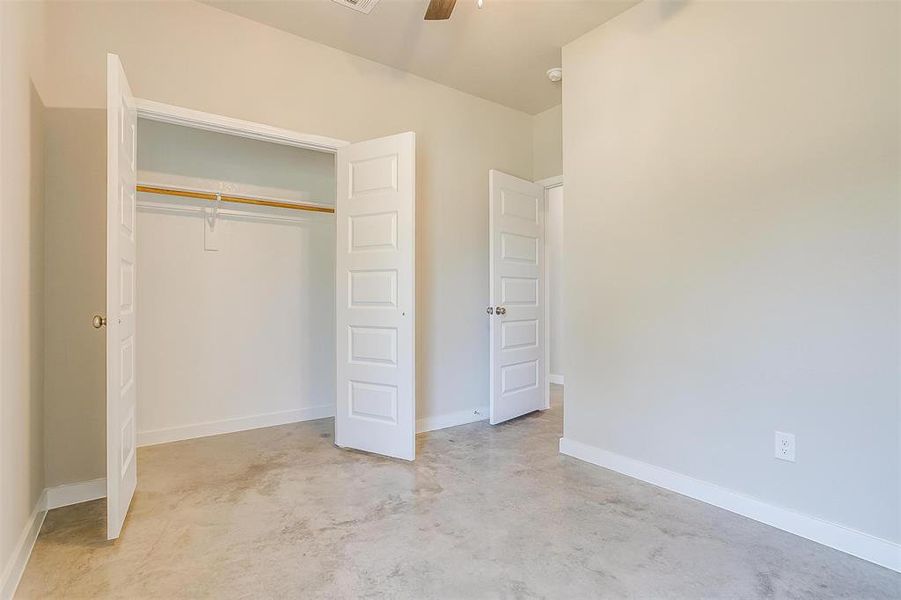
x: 490, y: 310
x: 500, y: 310
x: 98, y: 321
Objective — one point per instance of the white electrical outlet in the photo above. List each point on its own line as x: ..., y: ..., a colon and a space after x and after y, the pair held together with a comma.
x: 785, y: 446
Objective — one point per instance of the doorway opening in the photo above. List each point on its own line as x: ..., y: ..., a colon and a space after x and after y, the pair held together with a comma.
x: 525, y: 313
x: 236, y: 327
x: 553, y: 210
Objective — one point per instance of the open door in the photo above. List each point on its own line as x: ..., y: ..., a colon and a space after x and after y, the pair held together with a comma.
x: 375, y: 290
x: 517, y: 311
x: 121, y: 463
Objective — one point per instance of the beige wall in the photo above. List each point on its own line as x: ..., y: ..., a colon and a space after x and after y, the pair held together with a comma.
x: 547, y: 143
x: 731, y: 233
x: 21, y: 279
x: 196, y: 56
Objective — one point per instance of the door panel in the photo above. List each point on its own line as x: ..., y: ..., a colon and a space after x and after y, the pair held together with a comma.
x: 376, y: 405
x: 518, y: 372
x: 121, y: 461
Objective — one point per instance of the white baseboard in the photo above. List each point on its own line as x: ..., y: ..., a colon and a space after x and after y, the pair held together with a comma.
x: 85, y: 491
x: 857, y: 543
x: 53, y: 497
x: 558, y: 379
x: 461, y: 417
x: 15, y: 566
x: 188, y: 432
x: 74, y: 493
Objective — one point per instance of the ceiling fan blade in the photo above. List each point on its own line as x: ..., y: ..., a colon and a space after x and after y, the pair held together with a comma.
x: 439, y: 10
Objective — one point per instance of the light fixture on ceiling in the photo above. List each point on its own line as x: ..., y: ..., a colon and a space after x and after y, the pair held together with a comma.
x: 555, y: 74
x: 480, y: 3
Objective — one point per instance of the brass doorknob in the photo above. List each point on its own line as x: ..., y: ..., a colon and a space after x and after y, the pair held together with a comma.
x: 500, y: 310
x: 98, y: 321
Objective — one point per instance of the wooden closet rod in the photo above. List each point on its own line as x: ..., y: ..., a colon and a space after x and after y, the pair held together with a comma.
x: 226, y: 198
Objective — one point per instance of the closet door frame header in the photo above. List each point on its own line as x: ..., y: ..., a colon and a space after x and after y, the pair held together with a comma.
x: 187, y: 117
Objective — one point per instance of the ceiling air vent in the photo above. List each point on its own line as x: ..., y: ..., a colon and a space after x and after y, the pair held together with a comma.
x: 364, y: 6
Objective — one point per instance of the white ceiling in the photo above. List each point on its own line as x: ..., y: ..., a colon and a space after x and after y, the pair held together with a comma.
x: 500, y: 52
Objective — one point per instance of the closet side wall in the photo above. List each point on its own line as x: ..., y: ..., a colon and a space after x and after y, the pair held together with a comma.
x: 75, y: 277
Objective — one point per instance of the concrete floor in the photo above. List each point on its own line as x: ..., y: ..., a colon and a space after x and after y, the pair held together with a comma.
x: 484, y: 512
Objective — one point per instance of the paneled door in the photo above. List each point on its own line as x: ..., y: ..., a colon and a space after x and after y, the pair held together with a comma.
x: 518, y: 378
x: 375, y: 287
x: 121, y: 175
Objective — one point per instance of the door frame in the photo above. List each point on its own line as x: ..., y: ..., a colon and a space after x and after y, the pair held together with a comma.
x: 548, y: 184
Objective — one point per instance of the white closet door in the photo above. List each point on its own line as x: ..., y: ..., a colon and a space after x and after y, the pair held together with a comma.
x: 518, y: 379
x: 121, y: 462
x: 376, y: 401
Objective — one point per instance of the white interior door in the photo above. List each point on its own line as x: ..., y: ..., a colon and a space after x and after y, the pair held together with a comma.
x: 375, y: 287
x: 517, y: 303
x: 121, y: 463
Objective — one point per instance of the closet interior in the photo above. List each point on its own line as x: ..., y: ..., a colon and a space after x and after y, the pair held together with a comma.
x: 235, y: 277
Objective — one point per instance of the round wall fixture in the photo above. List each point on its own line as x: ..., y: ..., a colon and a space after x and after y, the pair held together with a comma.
x: 555, y: 74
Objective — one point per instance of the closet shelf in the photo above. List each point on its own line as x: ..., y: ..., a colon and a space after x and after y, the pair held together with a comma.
x: 150, y: 189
